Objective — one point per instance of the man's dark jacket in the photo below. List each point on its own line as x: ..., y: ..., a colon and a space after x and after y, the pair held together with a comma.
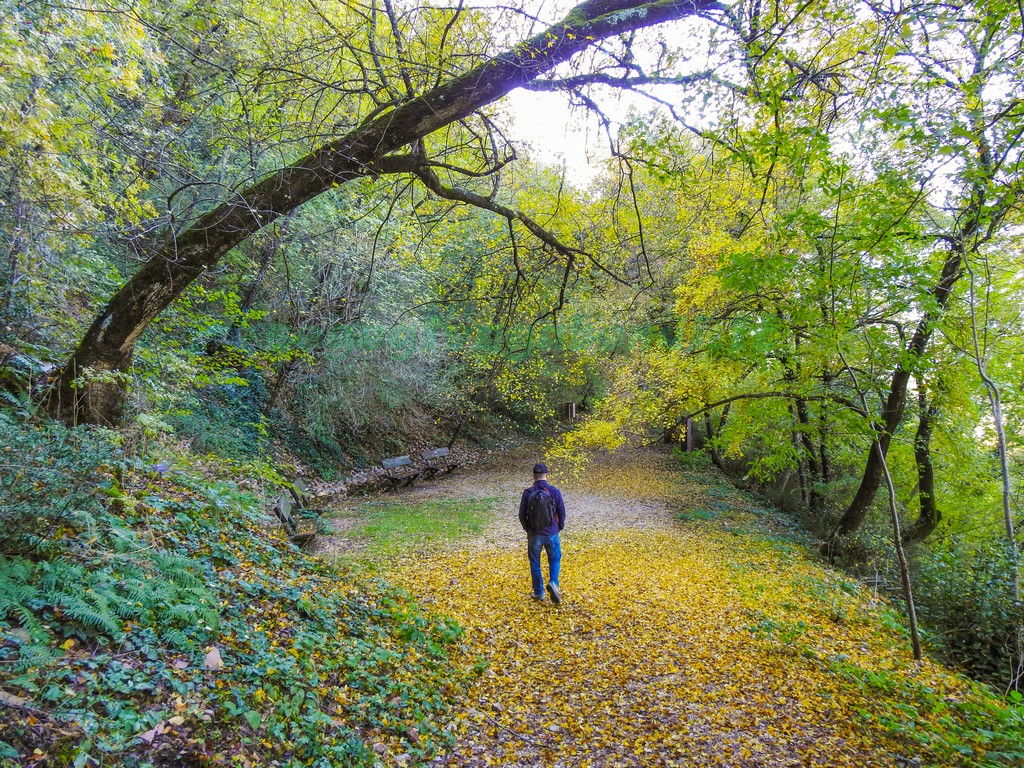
x: 556, y: 494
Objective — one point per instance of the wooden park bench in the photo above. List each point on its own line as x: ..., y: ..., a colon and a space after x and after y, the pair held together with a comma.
x: 438, y: 460
x: 399, y: 470
x: 300, y: 530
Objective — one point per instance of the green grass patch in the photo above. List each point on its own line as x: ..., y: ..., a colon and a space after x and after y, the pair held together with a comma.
x: 693, y: 515
x: 399, y: 527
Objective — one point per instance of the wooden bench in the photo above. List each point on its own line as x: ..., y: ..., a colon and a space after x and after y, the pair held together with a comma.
x: 399, y: 470
x: 299, y: 530
x: 438, y: 460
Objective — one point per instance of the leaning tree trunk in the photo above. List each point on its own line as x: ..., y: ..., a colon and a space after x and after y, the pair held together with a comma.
x: 901, y: 558
x: 896, y: 402
x: 92, y: 384
x: 894, y: 517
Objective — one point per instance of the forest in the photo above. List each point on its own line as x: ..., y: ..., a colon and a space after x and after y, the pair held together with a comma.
x: 242, y: 242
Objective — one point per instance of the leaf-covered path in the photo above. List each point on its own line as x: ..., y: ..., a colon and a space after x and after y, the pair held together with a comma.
x: 711, y: 640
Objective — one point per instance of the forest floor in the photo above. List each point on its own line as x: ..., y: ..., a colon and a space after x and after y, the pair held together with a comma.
x: 696, y: 629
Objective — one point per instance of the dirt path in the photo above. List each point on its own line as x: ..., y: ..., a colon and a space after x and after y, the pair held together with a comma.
x: 677, y: 644
x: 601, y: 500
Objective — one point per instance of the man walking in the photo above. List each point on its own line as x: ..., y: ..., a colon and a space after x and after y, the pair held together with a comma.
x: 542, y: 515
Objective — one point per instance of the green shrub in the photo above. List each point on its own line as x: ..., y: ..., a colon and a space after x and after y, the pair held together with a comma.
x: 105, y: 626
x: 70, y: 568
x: 371, y: 382
x: 226, y: 420
x: 324, y: 456
x: 49, y: 481
x: 966, y: 598
x: 691, y: 461
x: 58, y: 599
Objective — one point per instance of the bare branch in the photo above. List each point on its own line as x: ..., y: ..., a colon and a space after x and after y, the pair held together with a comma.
x: 424, y: 172
x: 631, y: 83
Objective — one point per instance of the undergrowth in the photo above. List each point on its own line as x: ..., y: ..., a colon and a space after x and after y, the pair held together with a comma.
x: 117, y: 584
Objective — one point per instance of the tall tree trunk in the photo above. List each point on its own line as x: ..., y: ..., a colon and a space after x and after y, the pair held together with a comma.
x: 801, y: 459
x: 901, y: 558
x: 14, y: 248
x: 814, y: 500
x: 995, y: 402
x: 824, y: 457
x: 92, y: 384
x: 929, y: 516
x: 716, y: 457
x: 896, y: 402
x: 894, y: 518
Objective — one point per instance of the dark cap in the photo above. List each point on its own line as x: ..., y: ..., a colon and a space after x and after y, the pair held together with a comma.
x: 540, y: 468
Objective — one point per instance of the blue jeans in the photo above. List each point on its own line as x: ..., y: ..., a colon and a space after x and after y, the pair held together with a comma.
x: 535, y: 542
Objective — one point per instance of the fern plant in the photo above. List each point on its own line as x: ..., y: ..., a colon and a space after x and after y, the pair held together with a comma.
x: 17, y: 593
x: 16, y: 375
x: 21, y: 405
x: 160, y: 590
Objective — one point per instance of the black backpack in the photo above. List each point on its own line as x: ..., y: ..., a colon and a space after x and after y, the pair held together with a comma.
x: 540, y: 510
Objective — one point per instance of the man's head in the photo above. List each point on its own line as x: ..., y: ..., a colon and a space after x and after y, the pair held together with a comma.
x: 540, y: 471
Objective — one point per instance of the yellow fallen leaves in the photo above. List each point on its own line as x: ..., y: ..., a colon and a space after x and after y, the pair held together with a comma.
x: 660, y: 655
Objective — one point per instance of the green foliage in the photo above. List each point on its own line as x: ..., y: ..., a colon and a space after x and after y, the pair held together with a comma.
x: 325, y: 457
x: 225, y: 420
x: 982, y: 639
x: 786, y: 634
x: 702, y: 513
x: 978, y: 729
x: 692, y: 461
x: 69, y: 569
x: 20, y: 372
x: 373, y: 379
x: 50, y: 479
x: 62, y: 169
x: 94, y: 602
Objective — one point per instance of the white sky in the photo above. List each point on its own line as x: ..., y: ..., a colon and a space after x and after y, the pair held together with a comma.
x: 554, y: 135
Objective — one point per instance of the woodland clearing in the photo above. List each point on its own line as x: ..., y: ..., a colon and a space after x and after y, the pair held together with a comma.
x: 695, y: 629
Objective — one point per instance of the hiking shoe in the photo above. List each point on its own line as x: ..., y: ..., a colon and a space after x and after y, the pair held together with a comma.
x: 556, y: 596
x: 538, y: 598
